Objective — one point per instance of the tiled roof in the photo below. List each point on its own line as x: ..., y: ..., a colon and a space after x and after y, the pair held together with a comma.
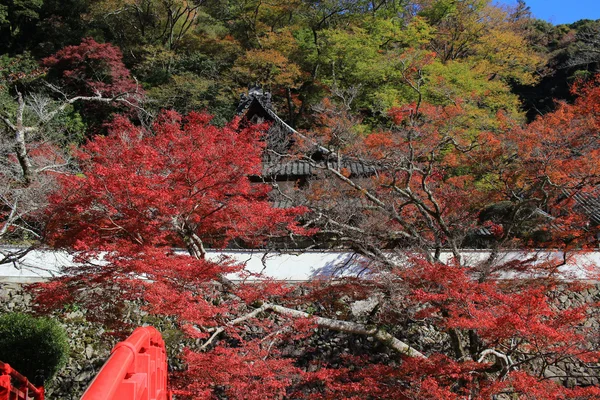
x: 289, y: 168
x: 257, y: 96
x: 483, y: 232
x: 304, y: 168
x: 283, y: 204
x: 589, y: 203
x: 324, y: 204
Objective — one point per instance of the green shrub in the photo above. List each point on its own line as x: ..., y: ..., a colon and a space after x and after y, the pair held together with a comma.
x: 36, y: 347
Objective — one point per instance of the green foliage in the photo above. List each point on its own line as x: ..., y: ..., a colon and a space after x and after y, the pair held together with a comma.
x: 156, y: 65
x: 36, y: 347
x: 20, y: 69
x: 23, y: 73
x: 3, y: 14
x: 460, y: 81
x: 573, y: 51
x: 41, y: 26
x: 439, y: 10
x: 187, y: 92
x: 15, y: 14
x: 66, y: 129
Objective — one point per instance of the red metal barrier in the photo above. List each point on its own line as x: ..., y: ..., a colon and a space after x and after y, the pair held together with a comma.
x: 14, y: 386
x: 136, y: 370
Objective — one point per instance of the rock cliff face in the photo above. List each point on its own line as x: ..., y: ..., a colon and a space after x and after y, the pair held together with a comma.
x: 90, y: 344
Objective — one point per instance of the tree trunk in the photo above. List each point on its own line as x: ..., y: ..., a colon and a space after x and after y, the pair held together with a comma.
x: 20, y: 140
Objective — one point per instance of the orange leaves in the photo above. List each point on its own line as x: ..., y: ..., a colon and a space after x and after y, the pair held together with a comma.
x: 401, y: 114
x: 379, y: 142
x: 270, y: 68
x: 558, y: 153
x: 337, y: 128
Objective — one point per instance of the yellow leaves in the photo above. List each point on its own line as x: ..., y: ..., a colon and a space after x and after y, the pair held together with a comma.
x: 154, y: 58
x: 462, y: 81
x: 266, y: 67
x: 478, y: 31
x: 281, y: 41
x: 418, y: 32
x: 269, y: 16
x: 104, y: 6
x: 390, y: 32
x: 224, y: 48
x: 505, y: 54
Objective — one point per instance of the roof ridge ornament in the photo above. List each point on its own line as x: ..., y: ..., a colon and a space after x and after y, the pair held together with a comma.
x: 255, y: 92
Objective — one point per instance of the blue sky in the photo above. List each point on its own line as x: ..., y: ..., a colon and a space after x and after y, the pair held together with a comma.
x: 562, y: 11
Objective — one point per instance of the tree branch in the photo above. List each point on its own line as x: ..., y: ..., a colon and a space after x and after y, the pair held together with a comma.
x: 328, y: 323
x: 349, y: 327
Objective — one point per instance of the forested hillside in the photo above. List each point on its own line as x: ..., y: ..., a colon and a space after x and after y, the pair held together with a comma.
x: 191, y: 55
x: 427, y: 126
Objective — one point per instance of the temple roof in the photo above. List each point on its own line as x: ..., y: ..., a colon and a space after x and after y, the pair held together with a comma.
x: 257, y: 104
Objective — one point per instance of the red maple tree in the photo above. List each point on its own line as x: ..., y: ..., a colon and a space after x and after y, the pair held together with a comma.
x: 90, y: 68
x: 94, y: 72
x: 143, y: 193
x: 181, y: 185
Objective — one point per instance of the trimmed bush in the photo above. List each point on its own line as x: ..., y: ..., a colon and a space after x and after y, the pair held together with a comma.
x: 36, y: 347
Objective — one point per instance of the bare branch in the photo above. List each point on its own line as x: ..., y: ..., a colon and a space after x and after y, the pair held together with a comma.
x: 350, y: 327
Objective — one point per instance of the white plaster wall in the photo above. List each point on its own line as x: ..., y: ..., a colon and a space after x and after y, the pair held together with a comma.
x: 39, y: 265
